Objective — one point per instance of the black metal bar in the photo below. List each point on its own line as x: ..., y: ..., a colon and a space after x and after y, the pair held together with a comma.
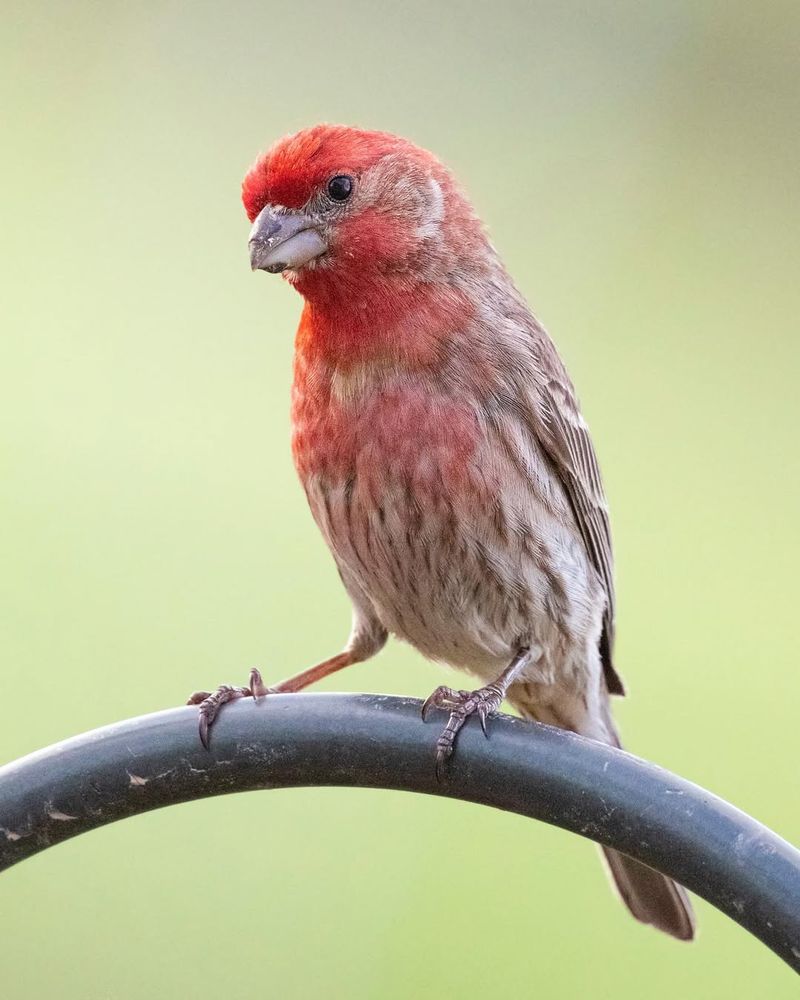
x: 379, y: 742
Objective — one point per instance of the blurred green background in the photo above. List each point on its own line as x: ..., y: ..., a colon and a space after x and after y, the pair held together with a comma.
x: 637, y: 164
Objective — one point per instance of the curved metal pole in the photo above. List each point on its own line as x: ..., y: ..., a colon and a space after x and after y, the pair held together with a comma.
x: 376, y: 741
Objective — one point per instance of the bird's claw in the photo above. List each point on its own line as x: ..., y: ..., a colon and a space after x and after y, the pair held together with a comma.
x: 210, y: 702
x: 484, y: 702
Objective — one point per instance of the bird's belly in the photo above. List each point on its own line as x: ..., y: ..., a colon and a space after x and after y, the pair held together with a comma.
x: 459, y: 578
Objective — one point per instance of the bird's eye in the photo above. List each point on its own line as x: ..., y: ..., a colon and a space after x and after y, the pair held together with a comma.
x: 340, y: 187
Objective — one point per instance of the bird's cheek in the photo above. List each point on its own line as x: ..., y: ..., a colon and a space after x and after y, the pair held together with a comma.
x: 372, y: 239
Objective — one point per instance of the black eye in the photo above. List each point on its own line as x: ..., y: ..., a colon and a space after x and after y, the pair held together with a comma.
x: 340, y: 187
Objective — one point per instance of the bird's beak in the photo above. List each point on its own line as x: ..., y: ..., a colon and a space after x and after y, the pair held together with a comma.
x: 281, y: 241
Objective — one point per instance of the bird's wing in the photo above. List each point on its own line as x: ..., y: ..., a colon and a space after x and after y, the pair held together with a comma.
x: 563, y: 433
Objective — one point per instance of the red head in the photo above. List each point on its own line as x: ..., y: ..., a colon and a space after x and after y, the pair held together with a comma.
x: 351, y: 216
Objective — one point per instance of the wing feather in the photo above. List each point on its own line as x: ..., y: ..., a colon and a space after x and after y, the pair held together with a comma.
x: 563, y: 433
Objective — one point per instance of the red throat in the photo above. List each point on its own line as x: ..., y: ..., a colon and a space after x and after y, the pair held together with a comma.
x: 408, y: 327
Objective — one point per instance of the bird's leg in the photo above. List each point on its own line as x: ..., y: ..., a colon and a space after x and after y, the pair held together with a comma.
x: 484, y: 702
x: 211, y: 702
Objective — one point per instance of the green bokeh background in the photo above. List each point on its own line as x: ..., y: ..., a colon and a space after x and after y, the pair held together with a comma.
x: 637, y: 164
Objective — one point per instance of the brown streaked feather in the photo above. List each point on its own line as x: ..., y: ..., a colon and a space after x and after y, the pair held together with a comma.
x: 565, y: 437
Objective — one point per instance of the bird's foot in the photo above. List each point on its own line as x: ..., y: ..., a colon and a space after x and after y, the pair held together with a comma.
x: 211, y: 702
x: 485, y: 702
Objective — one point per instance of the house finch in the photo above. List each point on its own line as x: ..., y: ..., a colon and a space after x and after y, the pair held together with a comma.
x: 442, y: 450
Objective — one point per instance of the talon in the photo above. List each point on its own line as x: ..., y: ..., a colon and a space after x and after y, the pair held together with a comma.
x: 432, y: 701
x: 483, y: 715
x: 203, y: 728
x: 208, y: 713
x: 257, y: 686
x: 197, y: 697
x: 444, y: 698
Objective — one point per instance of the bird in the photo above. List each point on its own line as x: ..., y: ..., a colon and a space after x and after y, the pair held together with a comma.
x: 442, y: 450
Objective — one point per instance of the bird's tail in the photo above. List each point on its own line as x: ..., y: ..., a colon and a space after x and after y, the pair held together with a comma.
x: 651, y: 897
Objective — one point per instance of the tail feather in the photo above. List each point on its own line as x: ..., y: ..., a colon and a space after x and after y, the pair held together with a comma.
x: 651, y: 897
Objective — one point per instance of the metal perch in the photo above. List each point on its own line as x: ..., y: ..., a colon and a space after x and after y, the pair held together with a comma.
x: 375, y: 741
